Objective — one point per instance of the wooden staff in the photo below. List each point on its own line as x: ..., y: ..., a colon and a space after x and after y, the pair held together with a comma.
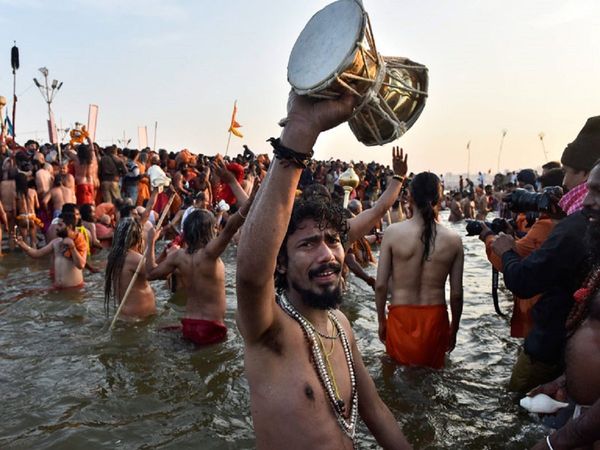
x: 141, y: 263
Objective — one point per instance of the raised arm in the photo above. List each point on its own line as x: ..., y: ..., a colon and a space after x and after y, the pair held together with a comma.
x: 33, y: 252
x: 168, y: 265
x: 362, y: 223
x: 456, y: 292
x: 226, y: 176
x: 269, y: 215
x: 218, y: 245
x: 151, y: 202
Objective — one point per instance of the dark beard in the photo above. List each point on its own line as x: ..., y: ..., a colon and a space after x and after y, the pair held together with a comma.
x: 330, y: 298
x: 63, y: 233
x: 592, y: 236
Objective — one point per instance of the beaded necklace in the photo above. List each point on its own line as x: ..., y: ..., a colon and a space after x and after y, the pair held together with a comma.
x: 321, y: 366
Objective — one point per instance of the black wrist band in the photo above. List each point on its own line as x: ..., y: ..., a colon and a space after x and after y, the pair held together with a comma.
x: 281, y: 152
x: 400, y: 178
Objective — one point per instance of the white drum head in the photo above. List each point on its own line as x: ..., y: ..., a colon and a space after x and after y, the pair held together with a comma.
x: 326, y: 45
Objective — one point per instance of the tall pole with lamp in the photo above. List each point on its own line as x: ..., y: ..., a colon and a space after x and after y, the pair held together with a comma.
x: 14, y: 62
x: 504, y: 131
x: 541, y: 136
x: 48, y: 92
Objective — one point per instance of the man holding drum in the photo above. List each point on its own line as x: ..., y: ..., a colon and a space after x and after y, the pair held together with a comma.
x: 305, y: 371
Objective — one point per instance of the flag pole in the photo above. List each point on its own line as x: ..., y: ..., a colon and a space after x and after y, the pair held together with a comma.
x: 228, y: 141
x: 230, y: 125
x: 155, y: 129
x: 469, y: 159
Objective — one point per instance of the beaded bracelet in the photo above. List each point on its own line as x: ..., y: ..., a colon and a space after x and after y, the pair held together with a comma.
x: 281, y: 152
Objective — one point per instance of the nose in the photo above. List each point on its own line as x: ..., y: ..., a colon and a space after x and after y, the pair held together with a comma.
x: 324, y: 253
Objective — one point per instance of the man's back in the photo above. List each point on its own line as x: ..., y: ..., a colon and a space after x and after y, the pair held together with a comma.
x: 8, y: 193
x: 204, y: 280
x: 43, y: 181
x: 415, y: 281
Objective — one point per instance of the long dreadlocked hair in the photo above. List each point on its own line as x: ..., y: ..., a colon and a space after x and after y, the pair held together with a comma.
x: 127, y: 235
x: 425, y: 191
x: 84, y: 154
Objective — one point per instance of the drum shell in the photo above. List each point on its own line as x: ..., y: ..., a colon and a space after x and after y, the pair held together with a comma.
x: 395, y: 108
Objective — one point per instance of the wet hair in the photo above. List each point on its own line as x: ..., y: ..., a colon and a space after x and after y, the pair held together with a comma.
x: 86, y: 212
x: 69, y: 219
x: 57, y: 180
x: 425, y: 192
x: 198, y: 229
x: 354, y: 206
x: 69, y: 208
x: 21, y: 184
x: 321, y: 210
x: 84, y: 154
x: 127, y: 235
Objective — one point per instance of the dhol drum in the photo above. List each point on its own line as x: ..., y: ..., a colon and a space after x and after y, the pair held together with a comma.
x: 336, y: 52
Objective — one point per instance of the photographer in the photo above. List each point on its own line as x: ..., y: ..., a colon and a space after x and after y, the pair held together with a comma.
x: 555, y: 270
x: 521, y: 321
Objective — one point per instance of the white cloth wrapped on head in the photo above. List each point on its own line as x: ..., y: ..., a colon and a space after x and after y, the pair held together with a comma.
x: 158, y: 177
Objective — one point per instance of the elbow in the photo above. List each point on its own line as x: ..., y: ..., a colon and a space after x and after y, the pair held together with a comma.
x: 456, y: 298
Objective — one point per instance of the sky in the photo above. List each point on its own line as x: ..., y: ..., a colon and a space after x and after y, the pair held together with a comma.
x: 525, y: 67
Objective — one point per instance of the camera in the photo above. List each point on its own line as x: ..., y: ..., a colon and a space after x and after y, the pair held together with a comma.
x: 522, y: 200
x: 498, y: 225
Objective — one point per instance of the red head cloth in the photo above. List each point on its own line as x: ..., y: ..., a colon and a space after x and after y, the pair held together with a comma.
x: 226, y: 193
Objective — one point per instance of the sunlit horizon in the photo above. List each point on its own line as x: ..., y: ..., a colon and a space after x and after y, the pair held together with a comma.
x: 525, y: 68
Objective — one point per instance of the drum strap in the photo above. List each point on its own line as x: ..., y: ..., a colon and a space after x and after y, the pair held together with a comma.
x: 281, y: 152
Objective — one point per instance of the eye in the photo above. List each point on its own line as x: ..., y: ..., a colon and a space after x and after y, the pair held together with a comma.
x: 334, y: 239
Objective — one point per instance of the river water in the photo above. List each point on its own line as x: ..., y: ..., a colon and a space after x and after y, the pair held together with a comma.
x: 66, y: 382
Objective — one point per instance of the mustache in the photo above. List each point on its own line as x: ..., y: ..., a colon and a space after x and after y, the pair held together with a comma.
x: 590, y: 213
x: 333, y: 266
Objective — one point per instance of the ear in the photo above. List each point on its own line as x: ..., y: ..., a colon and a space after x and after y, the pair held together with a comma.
x: 281, y: 266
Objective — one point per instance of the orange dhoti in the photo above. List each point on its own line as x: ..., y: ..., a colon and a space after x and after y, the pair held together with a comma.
x: 418, y: 335
x: 85, y: 194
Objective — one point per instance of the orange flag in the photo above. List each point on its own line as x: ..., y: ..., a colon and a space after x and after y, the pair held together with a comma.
x: 233, y: 128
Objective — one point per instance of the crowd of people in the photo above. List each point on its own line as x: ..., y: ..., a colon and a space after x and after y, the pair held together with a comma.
x: 287, y: 216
